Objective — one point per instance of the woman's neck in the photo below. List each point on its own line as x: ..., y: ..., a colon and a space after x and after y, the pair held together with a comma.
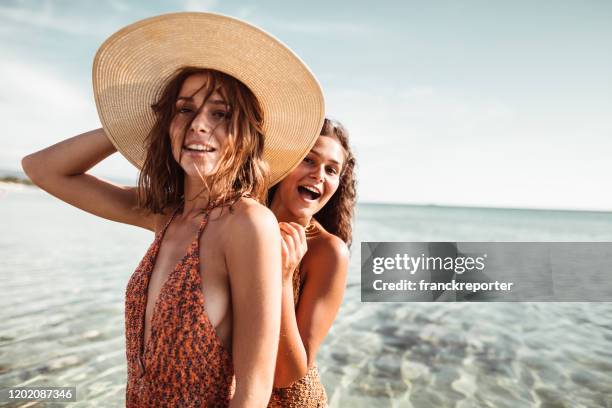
x: 196, y: 197
x: 284, y: 215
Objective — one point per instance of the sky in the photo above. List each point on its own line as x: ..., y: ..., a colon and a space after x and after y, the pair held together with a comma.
x: 463, y: 102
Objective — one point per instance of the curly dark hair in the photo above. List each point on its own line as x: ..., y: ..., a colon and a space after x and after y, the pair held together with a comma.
x: 337, y: 215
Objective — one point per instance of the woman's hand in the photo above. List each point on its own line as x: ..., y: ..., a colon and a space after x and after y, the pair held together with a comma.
x: 293, y: 247
x: 303, y: 329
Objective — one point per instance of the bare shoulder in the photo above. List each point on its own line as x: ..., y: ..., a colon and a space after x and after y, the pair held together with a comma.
x: 250, y: 216
x: 326, y: 253
x: 251, y: 242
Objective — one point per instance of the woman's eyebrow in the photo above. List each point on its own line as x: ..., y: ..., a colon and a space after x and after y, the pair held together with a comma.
x: 213, y: 101
x: 320, y: 155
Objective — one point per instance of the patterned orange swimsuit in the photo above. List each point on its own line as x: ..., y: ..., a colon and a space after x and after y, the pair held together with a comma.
x: 308, y: 391
x: 184, y: 363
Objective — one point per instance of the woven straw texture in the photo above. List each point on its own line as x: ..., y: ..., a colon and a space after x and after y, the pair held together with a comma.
x: 132, y: 66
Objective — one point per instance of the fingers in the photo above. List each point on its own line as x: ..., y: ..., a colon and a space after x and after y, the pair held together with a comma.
x: 297, y: 233
x: 290, y: 258
x: 289, y: 242
x: 290, y: 234
x: 301, y: 230
x: 285, y: 253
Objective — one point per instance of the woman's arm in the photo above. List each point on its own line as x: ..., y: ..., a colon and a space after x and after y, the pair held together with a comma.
x: 303, y: 331
x: 253, y: 259
x: 292, y: 360
x: 60, y: 170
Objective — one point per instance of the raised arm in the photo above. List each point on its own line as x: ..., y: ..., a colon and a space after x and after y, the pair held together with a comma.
x: 253, y: 259
x: 61, y: 169
x: 303, y: 330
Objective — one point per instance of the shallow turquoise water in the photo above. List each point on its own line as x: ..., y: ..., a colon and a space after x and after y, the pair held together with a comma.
x: 64, y: 272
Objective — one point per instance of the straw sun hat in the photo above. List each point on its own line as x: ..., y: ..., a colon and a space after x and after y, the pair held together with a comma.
x: 132, y: 66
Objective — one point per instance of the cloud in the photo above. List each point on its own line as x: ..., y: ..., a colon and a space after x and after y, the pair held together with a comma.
x: 30, y: 92
x: 423, y: 144
x: 120, y: 6
x: 246, y: 12
x: 40, y: 108
x: 413, y: 113
x: 48, y: 17
x: 200, y: 5
x: 321, y: 27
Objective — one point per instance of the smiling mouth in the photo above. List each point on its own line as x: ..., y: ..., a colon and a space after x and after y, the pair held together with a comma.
x: 197, y: 148
x: 308, y: 194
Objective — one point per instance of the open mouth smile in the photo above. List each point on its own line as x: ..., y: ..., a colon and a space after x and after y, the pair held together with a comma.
x: 309, y: 193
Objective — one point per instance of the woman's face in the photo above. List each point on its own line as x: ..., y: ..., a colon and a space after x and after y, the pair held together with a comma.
x: 206, y: 125
x: 313, y: 182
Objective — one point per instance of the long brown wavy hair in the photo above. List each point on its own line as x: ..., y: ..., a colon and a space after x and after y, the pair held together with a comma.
x: 241, y: 171
x: 337, y: 215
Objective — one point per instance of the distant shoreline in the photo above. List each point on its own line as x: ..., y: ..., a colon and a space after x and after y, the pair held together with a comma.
x: 28, y: 182
x: 16, y: 180
x: 476, y: 207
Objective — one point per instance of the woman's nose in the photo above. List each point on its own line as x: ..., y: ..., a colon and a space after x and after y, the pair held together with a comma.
x: 318, y: 173
x: 200, y: 123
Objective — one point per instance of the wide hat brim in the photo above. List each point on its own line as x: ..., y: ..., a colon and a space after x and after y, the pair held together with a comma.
x: 132, y: 66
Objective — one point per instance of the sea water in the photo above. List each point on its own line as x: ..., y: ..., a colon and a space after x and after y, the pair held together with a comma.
x: 63, y: 274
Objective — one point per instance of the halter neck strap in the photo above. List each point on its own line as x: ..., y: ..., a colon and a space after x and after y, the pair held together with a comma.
x: 206, y: 211
x: 163, y: 230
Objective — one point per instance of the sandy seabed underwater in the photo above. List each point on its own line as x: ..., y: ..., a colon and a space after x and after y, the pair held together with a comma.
x: 64, y: 274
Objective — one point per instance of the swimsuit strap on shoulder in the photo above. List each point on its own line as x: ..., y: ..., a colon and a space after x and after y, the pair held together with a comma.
x: 211, y: 206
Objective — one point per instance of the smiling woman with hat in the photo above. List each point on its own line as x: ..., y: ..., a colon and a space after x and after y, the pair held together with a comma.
x: 212, y: 111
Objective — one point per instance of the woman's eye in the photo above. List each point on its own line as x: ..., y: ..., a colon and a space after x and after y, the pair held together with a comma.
x: 184, y: 110
x: 332, y: 170
x: 221, y: 114
x: 308, y: 160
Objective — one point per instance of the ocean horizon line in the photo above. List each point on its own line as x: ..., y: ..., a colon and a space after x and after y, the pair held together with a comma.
x: 484, y: 207
x: 16, y: 176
